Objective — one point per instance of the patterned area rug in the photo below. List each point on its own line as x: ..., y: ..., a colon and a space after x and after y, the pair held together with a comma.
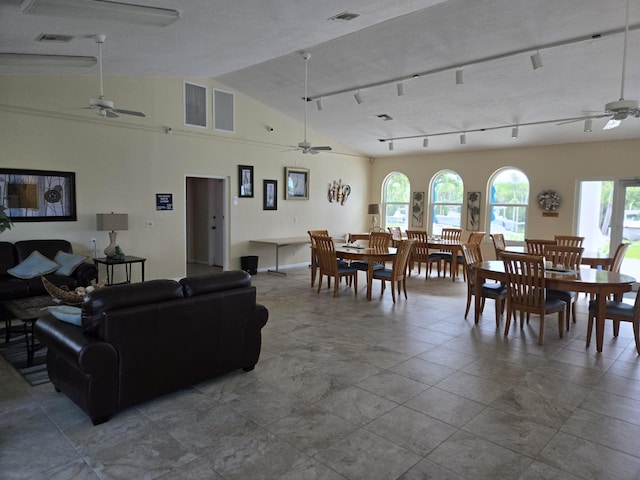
x: 15, y: 352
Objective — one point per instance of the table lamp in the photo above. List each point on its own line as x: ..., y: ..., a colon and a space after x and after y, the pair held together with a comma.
x: 110, y: 222
x: 374, y: 209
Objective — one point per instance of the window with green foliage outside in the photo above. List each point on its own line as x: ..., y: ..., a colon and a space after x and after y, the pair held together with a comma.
x: 447, y: 192
x: 396, y: 194
x: 508, y: 202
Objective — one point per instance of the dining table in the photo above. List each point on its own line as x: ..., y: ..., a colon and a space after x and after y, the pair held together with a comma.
x: 367, y: 254
x: 600, y: 283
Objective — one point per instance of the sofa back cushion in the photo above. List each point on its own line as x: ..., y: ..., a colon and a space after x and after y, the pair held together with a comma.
x: 7, y: 257
x: 96, y: 305
x: 48, y: 248
x: 210, y: 283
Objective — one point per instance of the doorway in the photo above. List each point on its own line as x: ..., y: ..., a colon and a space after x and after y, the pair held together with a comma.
x: 609, y: 214
x: 206, y: 224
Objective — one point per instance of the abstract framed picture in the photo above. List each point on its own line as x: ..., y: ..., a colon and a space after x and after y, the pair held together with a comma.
x: 270, y: 195
x: 245, y: 181
x: 473, y: 211
x: 297, y: 180
x: 38, y: 195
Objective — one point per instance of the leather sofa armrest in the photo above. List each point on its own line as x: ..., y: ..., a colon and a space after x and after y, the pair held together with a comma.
x: 84, y: 273
x: 89, y: 353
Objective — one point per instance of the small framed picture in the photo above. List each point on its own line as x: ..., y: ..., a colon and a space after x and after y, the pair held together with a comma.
x: 297, y: 180
x: 270, y: 195
x: 245, y: 181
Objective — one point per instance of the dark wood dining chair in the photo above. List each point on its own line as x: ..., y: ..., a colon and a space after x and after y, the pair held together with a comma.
x: 472, y: 254
x: 420, y: 253
x: 330, y: 267
x: 397, y: 274
x: 570, y: 258
x: 535, y: 246
x: 474, y: 237
x: 314, y: 255
x: 376, y: 240
x: 618, y: 312
x: 569, y: 240
x: 499, y: 244
x: 526, y: 291
x: 453, y: 235
x: 396, y: 234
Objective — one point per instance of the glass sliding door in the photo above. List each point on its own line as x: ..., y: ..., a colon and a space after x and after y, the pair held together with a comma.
x: 609, y: 213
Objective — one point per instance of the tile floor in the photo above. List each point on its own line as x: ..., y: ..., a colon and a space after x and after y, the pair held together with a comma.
x: 351, y: 389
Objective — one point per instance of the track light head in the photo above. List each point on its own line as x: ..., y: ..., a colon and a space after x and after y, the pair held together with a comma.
x: 358, y: 97
x: 400, y: 88
x: 320, y: 104
x: 536, y: 61
x: 514, y: 133
x: 463, y: 139
x: 390, y: 146
x: 588, y: 123
x: 425, y: 142
x: 459, y: 76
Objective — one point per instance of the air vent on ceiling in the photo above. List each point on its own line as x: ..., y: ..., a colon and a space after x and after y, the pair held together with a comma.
x: 346, y: 16
x: 54, y: 37
x: 385, y: 117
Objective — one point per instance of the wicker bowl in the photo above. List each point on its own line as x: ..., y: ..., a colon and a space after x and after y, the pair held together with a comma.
x: 65, y: 296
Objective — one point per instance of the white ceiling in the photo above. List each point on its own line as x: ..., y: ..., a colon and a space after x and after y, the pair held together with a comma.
x: 254, y: 46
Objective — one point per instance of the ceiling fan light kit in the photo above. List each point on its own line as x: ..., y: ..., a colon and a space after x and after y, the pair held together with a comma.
x: 459, y: 76
x: 536, y: 61
x: 102, y: 9
x: 588, y: 124
x: 358, y: 97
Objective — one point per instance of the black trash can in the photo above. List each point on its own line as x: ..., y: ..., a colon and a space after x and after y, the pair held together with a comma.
x: 249, y: 264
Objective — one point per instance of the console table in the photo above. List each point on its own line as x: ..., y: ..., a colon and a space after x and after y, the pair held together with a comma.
x: 127, y: 261
x: 282, y: 242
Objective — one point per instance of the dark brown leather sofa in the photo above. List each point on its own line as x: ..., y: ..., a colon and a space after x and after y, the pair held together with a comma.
x: 11, y: 254
x: 142, y: 340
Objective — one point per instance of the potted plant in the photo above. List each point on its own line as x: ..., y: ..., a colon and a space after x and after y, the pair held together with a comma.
x: 5, y: 221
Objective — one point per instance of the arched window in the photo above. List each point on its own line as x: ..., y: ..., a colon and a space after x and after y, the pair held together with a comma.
x: 508, y: 201
x: 446, y: 196
x: 396, y: 192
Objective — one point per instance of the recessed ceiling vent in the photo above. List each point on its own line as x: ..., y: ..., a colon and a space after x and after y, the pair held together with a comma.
x: 53, y: 37
x: 385, y: 117
x: 346, y: 16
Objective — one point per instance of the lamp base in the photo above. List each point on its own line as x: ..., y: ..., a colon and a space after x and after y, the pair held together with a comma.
x: 111, y: 249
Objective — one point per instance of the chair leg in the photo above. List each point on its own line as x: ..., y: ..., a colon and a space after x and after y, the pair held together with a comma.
x: 336, y: 282
x: 616, y: 327
x: 320, y: 283
x: 498, y: 303
x: 636, y: 334
x: 466, y: 311
x: 561, y: 323
x: 393, y: 291
x: 589, y: 328
x: 541, y: 334
x: 355, y: 283
x: 404, y: 288
x: 507, y: 324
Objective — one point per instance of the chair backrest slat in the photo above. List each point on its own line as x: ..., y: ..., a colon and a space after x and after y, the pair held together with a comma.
x: 618, y: 257
x: 568, y: 257
x: 451, y: 234
x: 379, y: 239
x: 535, y: 246
x: 476, y: 237
x: 569, y: 240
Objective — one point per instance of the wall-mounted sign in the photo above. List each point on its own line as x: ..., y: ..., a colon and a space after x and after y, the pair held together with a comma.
x: 164, y: 201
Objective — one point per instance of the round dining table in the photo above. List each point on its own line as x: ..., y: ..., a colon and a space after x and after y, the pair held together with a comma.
x: 601, y: 283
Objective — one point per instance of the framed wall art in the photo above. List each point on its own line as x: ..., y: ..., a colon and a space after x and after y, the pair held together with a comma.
x: 473, y: 211
x: 417, y: 209
x: 245, y: 181
x: 270, y: 195
x: 38, y: 195
x: 297, y: 180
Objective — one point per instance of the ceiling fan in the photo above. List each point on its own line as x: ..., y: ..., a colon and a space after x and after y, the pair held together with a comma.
x: 101, y: 105
x: 306, y: 146
x: 620, y: 109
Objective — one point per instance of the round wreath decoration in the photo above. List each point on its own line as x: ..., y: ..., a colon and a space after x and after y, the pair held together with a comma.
x: 549, y: 200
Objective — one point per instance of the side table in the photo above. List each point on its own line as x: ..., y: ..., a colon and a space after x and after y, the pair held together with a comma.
x: 109, y: 263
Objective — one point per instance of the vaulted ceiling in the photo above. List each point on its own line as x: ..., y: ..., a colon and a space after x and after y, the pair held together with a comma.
x: 254, y: 47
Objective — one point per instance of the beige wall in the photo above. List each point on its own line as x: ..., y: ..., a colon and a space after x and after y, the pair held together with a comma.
x: 120, y: 165
x: 555, y: 167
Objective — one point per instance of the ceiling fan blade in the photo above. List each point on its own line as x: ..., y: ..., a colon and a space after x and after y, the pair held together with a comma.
x: 326, y: 148
x: 612, y: 123
x: 129, y: 112
x: 111, y: 114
